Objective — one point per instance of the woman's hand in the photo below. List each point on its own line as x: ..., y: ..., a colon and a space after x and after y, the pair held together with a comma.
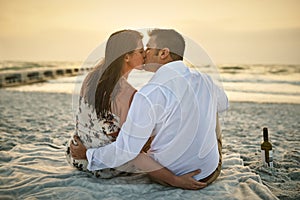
x: 78, y: 151
x: 187, y: 181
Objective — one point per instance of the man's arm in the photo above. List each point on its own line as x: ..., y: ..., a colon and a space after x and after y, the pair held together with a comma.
x: 157, y: 172
x: 133, y: 135
x: 163, y: 176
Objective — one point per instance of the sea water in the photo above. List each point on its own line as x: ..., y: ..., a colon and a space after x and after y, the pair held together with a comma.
x: 242, y: 83
x: 262, y: 83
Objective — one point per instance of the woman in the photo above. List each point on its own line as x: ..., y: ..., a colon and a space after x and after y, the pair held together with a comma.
x: 106, y: 95
x: 103, y: 105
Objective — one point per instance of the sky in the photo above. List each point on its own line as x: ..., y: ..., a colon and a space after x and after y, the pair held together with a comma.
x: 231, y: 31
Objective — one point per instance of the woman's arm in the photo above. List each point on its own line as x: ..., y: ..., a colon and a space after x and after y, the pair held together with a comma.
x: 163, y: 176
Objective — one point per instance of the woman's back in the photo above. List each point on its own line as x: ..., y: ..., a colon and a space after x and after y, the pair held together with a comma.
x: 94, y: 131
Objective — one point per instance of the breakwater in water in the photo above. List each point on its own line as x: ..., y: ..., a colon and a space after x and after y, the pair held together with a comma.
x: 22, y: 77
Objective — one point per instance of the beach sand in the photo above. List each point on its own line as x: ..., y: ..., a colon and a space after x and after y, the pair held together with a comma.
x: 35, y: 127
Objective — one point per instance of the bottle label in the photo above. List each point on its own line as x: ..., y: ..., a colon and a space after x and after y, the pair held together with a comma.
x: 271, y: 164
x: 271, y: 158
x: 271, y: 155
x: 264, y: 160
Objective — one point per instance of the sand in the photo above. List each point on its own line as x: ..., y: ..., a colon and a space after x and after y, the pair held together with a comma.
x: 34, y: 129
x: 243, y: 135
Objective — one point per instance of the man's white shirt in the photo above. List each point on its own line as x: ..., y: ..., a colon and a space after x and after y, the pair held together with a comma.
x: 178, y: 106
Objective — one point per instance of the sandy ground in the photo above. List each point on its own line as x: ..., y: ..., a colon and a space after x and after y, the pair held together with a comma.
x: 35, y: 127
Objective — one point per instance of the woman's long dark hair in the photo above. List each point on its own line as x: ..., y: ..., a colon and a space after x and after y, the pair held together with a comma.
x: 118, y: 45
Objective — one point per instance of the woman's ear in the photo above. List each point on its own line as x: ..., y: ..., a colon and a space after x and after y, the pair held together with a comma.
x: 164, y: 53
x: 126, y: 58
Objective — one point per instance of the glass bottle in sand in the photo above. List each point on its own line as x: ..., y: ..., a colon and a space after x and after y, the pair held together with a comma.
x: 266, y: 150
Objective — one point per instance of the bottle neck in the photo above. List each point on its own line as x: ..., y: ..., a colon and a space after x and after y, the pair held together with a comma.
x: 265, y: 131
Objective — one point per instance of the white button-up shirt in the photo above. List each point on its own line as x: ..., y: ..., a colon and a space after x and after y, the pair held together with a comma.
x: 179, y: 107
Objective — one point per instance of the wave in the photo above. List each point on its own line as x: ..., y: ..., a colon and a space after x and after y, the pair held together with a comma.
x: 260, y: 69
x: 263, y: 81
x: 265, y: 92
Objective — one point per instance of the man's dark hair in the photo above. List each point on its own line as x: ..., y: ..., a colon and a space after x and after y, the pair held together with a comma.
x: 171, y: 39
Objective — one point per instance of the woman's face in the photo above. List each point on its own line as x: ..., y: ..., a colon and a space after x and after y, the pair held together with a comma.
x: 137, y: 58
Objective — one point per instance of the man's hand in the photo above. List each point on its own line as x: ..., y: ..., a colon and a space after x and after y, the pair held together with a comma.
x: 187, y: 181
x: 78, y: 151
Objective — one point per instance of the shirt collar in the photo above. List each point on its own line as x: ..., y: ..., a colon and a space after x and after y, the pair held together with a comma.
x: 177, y: 65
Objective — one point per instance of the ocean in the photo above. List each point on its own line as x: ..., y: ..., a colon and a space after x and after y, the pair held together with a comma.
x: 242, y: 83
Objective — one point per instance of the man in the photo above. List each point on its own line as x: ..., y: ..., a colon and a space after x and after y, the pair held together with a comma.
x: 178, y: 107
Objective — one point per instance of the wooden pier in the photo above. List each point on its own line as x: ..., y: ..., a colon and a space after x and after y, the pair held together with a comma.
x: 23, y: 77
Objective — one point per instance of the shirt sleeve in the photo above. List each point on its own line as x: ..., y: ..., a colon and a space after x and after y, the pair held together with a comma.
x: 219, y: 93
x: 222, y: 99
x: 133, y: 135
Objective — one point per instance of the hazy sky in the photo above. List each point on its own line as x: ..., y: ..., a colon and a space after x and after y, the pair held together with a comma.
x: 232, y: 31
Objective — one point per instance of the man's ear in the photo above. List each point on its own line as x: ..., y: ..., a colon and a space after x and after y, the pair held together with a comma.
x: 164, y: 53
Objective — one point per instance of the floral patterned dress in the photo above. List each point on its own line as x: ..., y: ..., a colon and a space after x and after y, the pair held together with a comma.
x: 94, y: 132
